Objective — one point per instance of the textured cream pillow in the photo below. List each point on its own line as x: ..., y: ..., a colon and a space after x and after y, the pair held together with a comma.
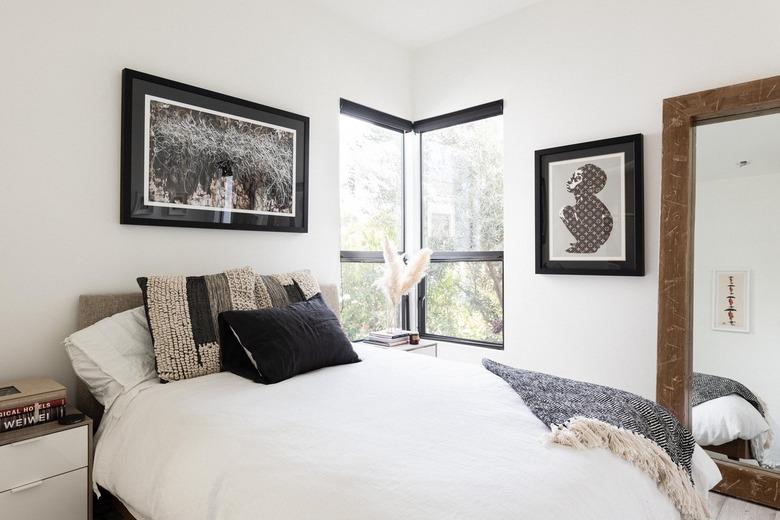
x: 182, y: 313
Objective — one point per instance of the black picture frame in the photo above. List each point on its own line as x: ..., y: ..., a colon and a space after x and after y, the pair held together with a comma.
x: 625, y: 229
x: 287, y: 210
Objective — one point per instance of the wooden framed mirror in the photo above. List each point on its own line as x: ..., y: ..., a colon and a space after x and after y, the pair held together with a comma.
x: 682, y: 116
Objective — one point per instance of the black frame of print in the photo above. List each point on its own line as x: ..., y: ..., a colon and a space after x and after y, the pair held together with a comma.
x: 135, y: 86
x: 634, y: 264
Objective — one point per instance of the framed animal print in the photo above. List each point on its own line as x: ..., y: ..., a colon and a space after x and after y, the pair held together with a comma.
x: 196, y: 158
x: 589, y: 208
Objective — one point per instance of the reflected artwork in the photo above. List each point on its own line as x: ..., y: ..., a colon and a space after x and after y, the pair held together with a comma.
x: 730, y: 305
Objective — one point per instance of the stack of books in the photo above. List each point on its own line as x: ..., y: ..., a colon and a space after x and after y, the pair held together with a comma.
x: 385, y: 338
x: 30, y: 402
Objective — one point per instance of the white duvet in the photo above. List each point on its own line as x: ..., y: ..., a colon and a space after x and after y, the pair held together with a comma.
x: 397, y: 436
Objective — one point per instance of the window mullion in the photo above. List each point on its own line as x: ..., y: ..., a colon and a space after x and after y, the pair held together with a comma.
x: 468, y: 256
x: 412, y: 231
x: 361, y: 256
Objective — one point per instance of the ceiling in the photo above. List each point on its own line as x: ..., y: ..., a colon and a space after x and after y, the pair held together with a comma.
x: 721, y: 146
x: 414, y: 23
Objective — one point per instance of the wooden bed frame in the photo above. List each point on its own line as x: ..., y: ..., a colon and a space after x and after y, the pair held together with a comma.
x: 734, y: 450
x: 93, y: 308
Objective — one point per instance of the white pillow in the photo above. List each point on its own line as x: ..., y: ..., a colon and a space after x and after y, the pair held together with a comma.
x: 725, y: 419
x: 113, y: 355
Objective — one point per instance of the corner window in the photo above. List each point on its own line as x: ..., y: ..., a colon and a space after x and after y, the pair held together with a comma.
x: 457, y: 169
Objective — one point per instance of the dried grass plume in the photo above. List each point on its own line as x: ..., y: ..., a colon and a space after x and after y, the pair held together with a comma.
x: 398, y: 278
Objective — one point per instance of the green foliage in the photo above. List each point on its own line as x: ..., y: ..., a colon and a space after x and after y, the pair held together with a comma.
x: 371, y: 185
x: 463, y: 205
x: 463, y: 180
x: 462, y: 301
x: 363, y: 305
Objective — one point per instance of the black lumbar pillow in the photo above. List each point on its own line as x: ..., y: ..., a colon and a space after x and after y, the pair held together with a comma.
x: 271, y: 345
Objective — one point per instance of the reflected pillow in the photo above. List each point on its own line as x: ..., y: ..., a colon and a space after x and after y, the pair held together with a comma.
x: 274, y: 344
x: 726, y: 419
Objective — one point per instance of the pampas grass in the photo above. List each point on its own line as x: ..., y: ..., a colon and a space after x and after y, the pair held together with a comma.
x: 398, y: 278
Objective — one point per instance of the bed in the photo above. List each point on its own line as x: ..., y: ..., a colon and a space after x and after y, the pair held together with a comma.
x: 395, y: 436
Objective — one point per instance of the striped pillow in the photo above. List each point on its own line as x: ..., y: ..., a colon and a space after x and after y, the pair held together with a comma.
x: 182, y: 312
x: 278, y: 290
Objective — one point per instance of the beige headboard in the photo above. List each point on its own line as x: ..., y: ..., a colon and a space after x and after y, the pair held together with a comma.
x: 95, y: 307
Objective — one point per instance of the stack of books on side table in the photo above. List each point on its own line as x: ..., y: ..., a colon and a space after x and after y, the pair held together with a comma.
x: 30, y: 402
x: 386, y: 338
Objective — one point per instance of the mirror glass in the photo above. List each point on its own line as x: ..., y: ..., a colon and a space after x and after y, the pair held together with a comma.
x: 736, y: 318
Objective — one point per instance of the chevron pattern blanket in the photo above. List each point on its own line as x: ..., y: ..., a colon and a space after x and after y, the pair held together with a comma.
x: 707, y: 387
x: 585, y: 415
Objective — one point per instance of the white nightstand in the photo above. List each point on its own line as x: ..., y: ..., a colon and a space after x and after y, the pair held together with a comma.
x: 46, y: 472
x: 425, y: 347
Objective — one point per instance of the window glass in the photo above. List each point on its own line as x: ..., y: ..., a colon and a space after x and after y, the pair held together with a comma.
x: 362, y: 303
x: 372, y: 170
x: 464, y: 300
x: 462, y: 187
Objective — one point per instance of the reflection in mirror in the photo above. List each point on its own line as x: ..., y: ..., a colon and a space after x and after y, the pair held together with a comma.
x: 736, y: 309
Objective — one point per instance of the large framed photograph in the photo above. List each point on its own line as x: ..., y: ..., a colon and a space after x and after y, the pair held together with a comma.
x: 589, y: 208
x: 731, y: 300
x: 196, y: 158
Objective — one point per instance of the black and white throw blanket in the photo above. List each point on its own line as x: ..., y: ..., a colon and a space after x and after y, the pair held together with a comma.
x: 707, y: 387
x: 585, y: 415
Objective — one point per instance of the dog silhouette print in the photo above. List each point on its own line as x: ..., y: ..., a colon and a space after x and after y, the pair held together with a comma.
x: 589, y: 220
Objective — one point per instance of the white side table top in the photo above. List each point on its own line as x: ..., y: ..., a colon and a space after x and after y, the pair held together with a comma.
x: 424, y: 343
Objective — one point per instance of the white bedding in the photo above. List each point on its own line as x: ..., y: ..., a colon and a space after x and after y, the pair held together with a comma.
x: 766, y: 447
x: 398, y: 436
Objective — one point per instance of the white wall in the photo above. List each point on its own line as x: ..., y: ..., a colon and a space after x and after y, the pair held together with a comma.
x: 736, y: 228
x: 60, y: 85
x: 572, y: 71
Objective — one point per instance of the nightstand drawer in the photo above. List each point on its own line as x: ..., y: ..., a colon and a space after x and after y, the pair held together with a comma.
x: 63, y: 497
x: 43, y: 457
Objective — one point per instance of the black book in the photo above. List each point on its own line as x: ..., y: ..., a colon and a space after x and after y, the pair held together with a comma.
x: 23, y: 420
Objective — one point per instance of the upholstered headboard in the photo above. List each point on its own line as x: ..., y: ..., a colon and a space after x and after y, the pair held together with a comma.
x: 95, y: 307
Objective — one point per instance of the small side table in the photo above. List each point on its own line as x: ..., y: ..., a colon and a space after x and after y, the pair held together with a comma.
x: 46, y: 471
x: 425, y: 347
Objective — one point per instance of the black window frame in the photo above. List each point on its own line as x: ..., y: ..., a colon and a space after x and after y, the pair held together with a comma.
x: 403, y: 126
x: 468, y: 115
